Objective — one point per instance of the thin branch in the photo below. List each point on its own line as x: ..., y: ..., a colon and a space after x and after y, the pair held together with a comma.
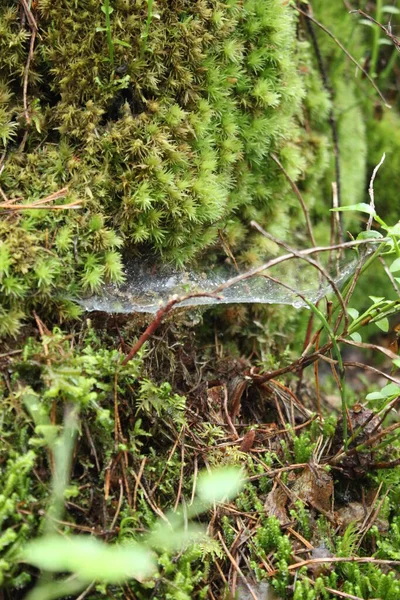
x: 300, y: 253
x: 29, y: 15
x: 381, y: 349
x: 372, y: 193
x: 340, y: 559
x: 26, y: 76
x: 393, y: 38
x: 299, y: 197
x: 347, y: 53
x: 390, y: 275
x: 41, y: 203
x: 161, y: 313
x: 332, y: 118
x: 312, y: 262
x: 236, y: 566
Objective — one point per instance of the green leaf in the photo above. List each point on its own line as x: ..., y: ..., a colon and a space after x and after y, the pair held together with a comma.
x: 392, y: 10
x: 221, y: 484
x: 375, y: 396
x: 366, y: 22
x: 396, y: 362
x: 383, y: 324
x: 391, y: 389
x: 395, y: 230
x: 353, y: 312
x: 163, y: 536
x: 90, y: 559
x: 369, y: 235
x: 107, y: 9
x: 395, y: 266
x: 360, y: 207
x: 101, y: 29
x: 376, y: 299
x: 356, y: 336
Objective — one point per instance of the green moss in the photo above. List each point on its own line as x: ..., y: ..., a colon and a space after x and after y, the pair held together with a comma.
x: 165, y: 146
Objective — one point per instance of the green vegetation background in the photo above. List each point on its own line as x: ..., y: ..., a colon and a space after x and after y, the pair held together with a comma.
x: 164, y: 123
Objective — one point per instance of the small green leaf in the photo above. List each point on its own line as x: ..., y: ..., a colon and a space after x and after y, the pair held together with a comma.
x: 90, y: 559
x: 101, y: 29
x: 395, y: 230
x: 221, y: 484
x: 391, y: 389
x: 175, y: 539
x: 376, y: 299
x: 392, y: 10
x: 107, y: 9
x: 396, y: 362
x: 356, y: 336
x: 353, y: 312
x: 369, y: 235
x: 383, y: 324
x: 375, y: 396
x: 366, y: 22
x: 395, y: 266
x: 360, y: 207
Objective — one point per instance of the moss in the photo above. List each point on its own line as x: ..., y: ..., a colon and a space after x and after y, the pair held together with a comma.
x: 166, y: 145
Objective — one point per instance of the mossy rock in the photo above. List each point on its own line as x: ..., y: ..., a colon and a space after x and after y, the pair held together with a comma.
x: 165, y: 133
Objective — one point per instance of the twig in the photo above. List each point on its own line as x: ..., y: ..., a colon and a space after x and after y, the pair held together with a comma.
x: 195, y: 473
x: 339, y: 559
x: 87, y: 591
x: 385, y: 351
x: 178, y: 495
x: 300, y: 253
x: 389, y: 274
x: 172, y: 451
x: 347, y: 53
x: 26, y: 76
x: 155, y: 508
x: 227, y: 415
x: 368, y: 368
x: 34, y: 29
x: 236, y: 566
x: 72, y: 206
x: 137, y: 481
x: 118, y: 435
x: 372, y: 193
x: 161, y: 313
x: 29, y: 15
x: 336, y: 203
x: 121, y: 495
x: 42, y: 203
x: 299, y: 197
x: 312, y: 262
x: 332, y: 118
x: 336, y: 592
x: 91, y: 444
x: 393, y: 38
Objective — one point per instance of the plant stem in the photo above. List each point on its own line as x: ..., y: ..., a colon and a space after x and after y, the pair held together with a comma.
x: 107, y: 12
x: 375, y: 40
x: 336, y: 348
x: 390, y: 65
x: 148, y: 24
